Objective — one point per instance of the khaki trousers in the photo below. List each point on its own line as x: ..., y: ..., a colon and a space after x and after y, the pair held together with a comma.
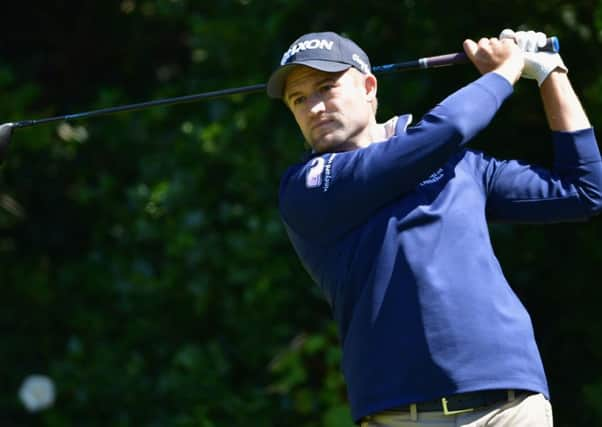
x: 527, y: 411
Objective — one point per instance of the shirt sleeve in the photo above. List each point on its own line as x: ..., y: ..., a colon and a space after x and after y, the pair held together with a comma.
x: 570, y: 191
x: 334, y: 192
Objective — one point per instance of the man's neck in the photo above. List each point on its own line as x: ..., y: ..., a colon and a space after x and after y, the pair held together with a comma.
x: 375, y: 132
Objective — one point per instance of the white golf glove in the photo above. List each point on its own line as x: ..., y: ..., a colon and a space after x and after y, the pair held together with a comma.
x: 538, y: 65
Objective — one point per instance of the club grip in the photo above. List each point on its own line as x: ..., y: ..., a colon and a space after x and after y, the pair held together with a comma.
x: 552, y: 45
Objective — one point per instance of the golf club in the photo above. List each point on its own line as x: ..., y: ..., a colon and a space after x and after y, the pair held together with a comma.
x: 6, y: 129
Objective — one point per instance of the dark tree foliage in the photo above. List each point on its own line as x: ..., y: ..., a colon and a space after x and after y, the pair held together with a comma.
x: 143, y: 265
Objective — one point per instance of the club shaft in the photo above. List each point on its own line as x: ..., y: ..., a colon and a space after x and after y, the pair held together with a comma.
x: 429, y: 62
x: 422, y: 63
x: 143, y: 105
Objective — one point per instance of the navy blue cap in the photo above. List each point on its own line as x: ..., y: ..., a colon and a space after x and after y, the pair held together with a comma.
x: 325, y: 51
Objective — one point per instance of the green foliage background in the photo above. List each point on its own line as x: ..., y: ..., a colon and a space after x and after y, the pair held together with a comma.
x: 143, y: 266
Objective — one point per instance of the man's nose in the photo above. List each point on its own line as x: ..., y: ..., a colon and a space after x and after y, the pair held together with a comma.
x: 316, y: 104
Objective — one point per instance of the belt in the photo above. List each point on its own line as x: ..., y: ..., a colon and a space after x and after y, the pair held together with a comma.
x: 463, y: 402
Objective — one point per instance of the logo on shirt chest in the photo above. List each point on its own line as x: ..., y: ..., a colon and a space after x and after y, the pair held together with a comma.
x: 434, y: 177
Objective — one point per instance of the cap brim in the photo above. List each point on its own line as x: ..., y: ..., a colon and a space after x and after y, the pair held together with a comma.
x: 275, y: 86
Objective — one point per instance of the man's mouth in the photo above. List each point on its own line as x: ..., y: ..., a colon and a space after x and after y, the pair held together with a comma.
x: 318, y: 126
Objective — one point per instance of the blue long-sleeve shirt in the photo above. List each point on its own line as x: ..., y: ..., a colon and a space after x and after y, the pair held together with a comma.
x: 395, y: 234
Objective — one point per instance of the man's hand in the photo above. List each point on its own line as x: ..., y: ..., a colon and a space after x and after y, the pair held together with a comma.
x: 538, y: 65
x: 500, y: 56
x: 563, y: 109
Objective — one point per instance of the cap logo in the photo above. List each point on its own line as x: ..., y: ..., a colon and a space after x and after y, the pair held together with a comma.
x: 304, y: 45
x: 363, y: 66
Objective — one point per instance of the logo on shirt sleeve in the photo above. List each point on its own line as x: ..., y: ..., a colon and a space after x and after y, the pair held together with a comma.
x: 320, y: 173
x: 313, y: 178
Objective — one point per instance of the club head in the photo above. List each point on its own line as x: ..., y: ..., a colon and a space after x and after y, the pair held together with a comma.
x: 6, y: 131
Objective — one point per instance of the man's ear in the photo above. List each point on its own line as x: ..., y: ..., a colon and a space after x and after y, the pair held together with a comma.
x: 371, y: 86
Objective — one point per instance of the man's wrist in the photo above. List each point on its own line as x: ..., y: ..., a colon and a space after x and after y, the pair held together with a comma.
x: 511, y: 70
x: 557, y: 73
x: 508, y: 72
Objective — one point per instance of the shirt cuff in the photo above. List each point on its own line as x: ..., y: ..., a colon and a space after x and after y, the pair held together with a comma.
x: 579, y: 147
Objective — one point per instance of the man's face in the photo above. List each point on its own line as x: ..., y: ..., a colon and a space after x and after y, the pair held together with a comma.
x: 332, y: 110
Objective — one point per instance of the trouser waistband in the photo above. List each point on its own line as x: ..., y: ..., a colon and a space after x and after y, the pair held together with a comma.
x: 462, y: 402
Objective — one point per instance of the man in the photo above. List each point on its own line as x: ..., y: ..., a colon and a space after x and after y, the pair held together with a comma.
x: 390, y: 220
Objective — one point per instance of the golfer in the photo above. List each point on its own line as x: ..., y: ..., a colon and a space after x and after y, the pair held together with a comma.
x: 390, y: 220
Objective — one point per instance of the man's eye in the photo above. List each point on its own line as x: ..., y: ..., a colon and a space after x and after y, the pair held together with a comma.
x: 326, y: 88
x: 299, y: 100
